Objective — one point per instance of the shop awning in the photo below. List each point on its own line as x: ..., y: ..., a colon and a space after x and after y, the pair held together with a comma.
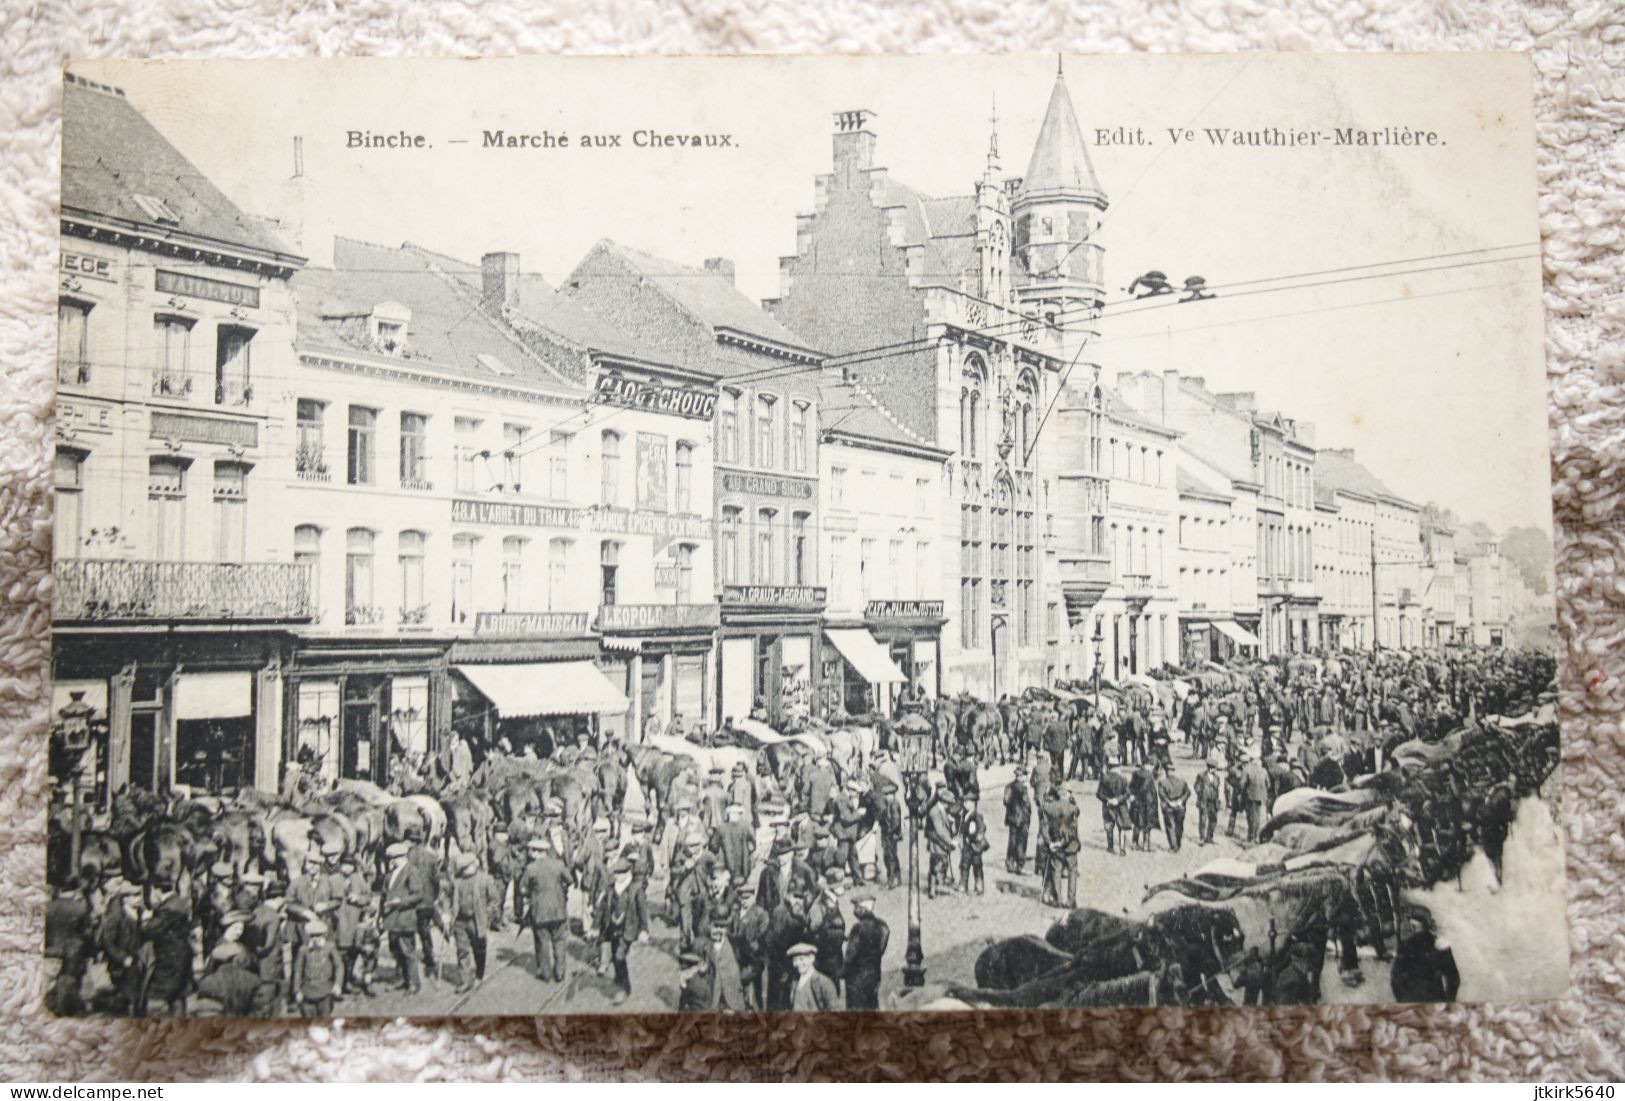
x: 546, y: 688
x: 214, y: 695
x: 1236, y: 633
x: 866, y: 655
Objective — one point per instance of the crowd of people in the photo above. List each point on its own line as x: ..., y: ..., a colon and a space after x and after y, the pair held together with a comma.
x: 758, y: 881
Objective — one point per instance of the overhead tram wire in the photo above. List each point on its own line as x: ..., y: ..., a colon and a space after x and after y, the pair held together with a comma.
x: 885, y: 352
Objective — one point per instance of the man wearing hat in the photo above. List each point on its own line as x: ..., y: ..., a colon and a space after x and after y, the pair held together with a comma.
x: 119, y: 939
x: 826, y: 853
x: 621, y: 920
x: 747, y: 931
x: 404, y: 894
x: 714, y: 798
x: 973, y: 843
x: 941, y: 824
x: 865, y: 951
x: 1018, y: 818
x: 734, y: 841
x: 546, y: 884
x: 888, y: 816
x: 351, y: 891
x: 316, y: 972
x: 265, y: 939
x: 820, y: 785
x: 1209, y: 788
x: 591, y: 864
x: 1064, y: 844
x: 423, y: 861
x: 1256, y: 791
x: 693, y: 982
x: 851, y: 824
x: 813, y: 991
x: 727, y: 986
x: 787, y: 927
x: 1172, y: 795
x: 473, y: 899
x: 742, y: 792
x: 826, y: 927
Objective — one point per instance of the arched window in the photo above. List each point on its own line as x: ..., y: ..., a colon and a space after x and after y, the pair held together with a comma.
x: 610, y: 482
x: 358, y: 577
x: 1026, y: 401
x: 971, y: 393
x: 409, y: 562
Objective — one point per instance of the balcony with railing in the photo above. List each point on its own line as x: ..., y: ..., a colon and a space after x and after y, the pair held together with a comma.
x: 310, y: 463
x: 119, y: 590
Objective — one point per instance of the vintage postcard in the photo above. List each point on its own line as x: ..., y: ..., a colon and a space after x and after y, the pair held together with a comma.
x: 744, y: 535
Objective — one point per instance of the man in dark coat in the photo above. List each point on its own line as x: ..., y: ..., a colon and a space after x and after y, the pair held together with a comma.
x: 1172, y: 795
x: 940, y: 827
x: 404, y: 892
x: 427, y: 867
x: 693, y: 983
x: 546, y: 884
x: 1256, y: 791
x: 1065, y: 843
x: 1113, y: 794
x: 1018, y: 817
x: 812, y: 990
x: 865, y: 950
x: 888, y: 813
x: 167, y: 934
x: 1209, y: 791
x: 264, y: 937
x: 735, y: 842
x: 973, y: 843
x: 622, y: 919
x: 473, y: 898
x: 787, y: 926
x: 748, y: 932
x: 826, y: 927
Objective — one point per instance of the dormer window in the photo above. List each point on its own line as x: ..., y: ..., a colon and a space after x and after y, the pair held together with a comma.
x: 386, y: 328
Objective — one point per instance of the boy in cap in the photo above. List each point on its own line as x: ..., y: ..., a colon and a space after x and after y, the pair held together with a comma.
x: 889, y: 818
x: 693, y: 982
x: 316, y: 972
x: 973, y: 843
x: 940, y: 827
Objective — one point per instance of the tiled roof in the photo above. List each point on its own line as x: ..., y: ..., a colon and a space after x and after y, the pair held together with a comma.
x: 848, y: 408
x: 709, y: 296
x: 1339, y: 471
x: 1060, y: 159
x: 447, y: 329
x: 111, y: 154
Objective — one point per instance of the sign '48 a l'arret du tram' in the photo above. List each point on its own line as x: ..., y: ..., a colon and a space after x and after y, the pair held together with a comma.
x: 831, y: 597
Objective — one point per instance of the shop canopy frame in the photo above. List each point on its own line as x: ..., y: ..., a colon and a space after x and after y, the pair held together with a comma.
x: 1236, y: 633
x: 543, y: 688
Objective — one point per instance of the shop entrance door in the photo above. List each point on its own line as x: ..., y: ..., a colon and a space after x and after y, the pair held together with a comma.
x: 361, y: 731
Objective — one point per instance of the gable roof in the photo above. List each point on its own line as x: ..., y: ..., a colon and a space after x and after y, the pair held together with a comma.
x: 111, y: 154
x: 448, y: 330
x: 1060, y: 160
x: 708, y: 296
x: 1338, y: 470
x: 847, y: 408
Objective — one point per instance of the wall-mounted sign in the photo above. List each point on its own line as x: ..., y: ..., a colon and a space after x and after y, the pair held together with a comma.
x: 661, y: 524
x: 665, y: 577
x: 656, y: 617
x: 768, y: 485
x: 530, y: 624
x: 84, y: 416
x: 775, y: 595
x: 657, y: 397
x: 215, y: 290
x: 186, y: 426
x: 89, y: 267
x: 512, y: 514
x: 903, y: 609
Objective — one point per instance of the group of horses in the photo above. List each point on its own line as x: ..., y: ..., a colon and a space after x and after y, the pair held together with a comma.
x: 1357, y: 851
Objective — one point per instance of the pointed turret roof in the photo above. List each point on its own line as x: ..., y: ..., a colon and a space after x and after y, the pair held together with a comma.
x: 1060, y: 159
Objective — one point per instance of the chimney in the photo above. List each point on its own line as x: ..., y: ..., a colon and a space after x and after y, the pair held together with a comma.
x: 854, y: 144
x: 499, y: 281
x: 720, y: 265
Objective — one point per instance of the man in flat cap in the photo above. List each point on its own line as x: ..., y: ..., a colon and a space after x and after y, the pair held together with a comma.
x: 622, y: 919
x: 748, y: 933
x: 813, y: 992
x: 317, y: 971
x: 941, y: 825
x: 404, y: 894
x: 865, y: 951
x: 473, y: 899
x: 546, y: 884
x: 229, y: 983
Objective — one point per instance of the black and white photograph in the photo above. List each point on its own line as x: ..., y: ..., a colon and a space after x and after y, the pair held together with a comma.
x: 750, y: 535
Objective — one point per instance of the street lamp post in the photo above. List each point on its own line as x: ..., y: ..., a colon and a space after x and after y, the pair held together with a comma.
x: 75, y: 731
x: 914, y: 737
x: 1099, y: 639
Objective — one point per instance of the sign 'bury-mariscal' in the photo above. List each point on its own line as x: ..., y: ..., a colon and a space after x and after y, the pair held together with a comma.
x: 926, y: 578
